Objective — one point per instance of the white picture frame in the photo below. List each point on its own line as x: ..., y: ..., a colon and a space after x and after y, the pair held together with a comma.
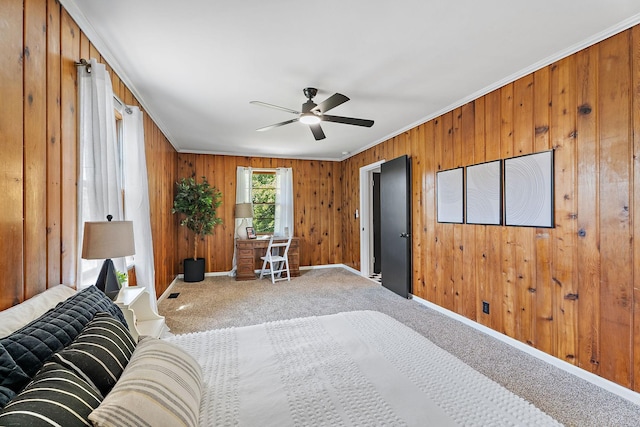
x: 450, y: 197
x: 483, y: 193
x: 528, y: 190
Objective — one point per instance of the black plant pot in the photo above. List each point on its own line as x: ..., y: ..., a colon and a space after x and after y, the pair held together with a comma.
x: 194, y: 270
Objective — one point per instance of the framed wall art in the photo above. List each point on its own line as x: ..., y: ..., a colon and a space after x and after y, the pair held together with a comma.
x: 484, y: 193
x: 528, y: 190
x: 450, y: 199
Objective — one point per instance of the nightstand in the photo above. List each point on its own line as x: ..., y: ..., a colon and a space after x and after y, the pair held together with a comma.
x: 135, y: 303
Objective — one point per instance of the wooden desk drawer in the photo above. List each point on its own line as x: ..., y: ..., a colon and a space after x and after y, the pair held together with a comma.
x: 245, y: 253
x: 245, y: 273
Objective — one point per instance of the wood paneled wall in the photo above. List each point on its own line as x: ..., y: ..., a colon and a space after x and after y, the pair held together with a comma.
x: 571, y: 291
x: 317, y: 187
x: 39, y: 45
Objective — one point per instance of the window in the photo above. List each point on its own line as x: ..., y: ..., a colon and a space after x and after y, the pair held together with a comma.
x: 263, y: 196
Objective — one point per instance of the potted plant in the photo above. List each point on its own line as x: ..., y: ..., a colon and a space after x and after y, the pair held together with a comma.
x: 198, y: 203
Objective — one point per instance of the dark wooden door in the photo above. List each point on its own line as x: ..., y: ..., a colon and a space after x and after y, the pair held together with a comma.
x: 395, y: 223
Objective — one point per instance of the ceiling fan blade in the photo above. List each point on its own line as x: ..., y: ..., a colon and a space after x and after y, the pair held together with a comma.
x: 347, y: 120
x: 277, y: 125
x: 331, y: 102
x: 264, y: 104
x: 318, y: 134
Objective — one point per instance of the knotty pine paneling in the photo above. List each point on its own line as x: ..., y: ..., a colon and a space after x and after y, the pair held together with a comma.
x: 615, y: 176
x: 69, y: 53
x: 571, y: 290
x: 588, y: 244
x: 544, y: 286
x: 38, y: 139
x: 12, y: 148
x: 635, y: 102
x: 35, y: 145
x: 563, y: 266
x: 53, y: 186
x: 318, y: 201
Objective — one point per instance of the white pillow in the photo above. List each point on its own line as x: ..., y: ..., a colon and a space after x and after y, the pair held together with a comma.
x: 16, y: 317
x: 161, y: 387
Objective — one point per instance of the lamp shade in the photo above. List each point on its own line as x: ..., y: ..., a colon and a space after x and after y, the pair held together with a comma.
x: 108, y: 239
x: 244, y: 210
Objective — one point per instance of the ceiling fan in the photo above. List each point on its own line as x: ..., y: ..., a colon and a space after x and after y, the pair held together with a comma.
x: 312, y: 113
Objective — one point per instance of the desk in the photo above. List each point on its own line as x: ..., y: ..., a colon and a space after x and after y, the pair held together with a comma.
x: 249, y: 252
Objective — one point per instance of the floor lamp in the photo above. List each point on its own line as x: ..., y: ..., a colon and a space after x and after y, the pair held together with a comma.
x: 106, y: 240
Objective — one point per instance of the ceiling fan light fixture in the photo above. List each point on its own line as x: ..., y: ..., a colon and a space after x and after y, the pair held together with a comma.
x: 309, y: 119
x: 312, y: 114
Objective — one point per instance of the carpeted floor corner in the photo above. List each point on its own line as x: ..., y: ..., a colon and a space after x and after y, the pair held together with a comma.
x: 221, y: 302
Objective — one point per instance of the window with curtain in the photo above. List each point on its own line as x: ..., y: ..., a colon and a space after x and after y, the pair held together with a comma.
x: 270, y: 191
x: 100, y: 186
x: 112, y: 159
x: 271, y: 194
x: 91, y: 267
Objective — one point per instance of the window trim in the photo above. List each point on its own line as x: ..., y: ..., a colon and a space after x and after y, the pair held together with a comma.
x: 120, y: 108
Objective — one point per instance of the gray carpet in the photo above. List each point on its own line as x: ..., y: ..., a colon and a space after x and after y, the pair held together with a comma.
x: 221, y: 302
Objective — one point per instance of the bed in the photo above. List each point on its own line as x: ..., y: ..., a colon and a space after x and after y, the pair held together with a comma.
x: 353, y: 368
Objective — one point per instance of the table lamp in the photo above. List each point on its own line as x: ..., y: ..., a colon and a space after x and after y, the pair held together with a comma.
x: 244, y: 211
x: 106, y: 240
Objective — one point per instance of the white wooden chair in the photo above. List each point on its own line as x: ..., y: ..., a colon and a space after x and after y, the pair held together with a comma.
x: 278, y: 262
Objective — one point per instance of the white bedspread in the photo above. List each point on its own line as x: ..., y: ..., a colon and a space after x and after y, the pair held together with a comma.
x: 355, y: 368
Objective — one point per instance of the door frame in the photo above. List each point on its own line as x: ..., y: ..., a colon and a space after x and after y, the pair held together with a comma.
x: 366, y: 216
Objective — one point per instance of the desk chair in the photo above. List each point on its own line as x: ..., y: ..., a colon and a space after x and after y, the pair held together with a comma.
x: 277, y: 262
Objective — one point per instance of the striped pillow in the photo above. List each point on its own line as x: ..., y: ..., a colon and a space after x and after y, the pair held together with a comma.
x: 161, y: 386
x: 99, y: 353
x: 56, y: 396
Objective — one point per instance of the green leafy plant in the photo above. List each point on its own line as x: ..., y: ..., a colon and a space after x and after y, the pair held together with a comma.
x: 198, y: 202
x: 122, y: 277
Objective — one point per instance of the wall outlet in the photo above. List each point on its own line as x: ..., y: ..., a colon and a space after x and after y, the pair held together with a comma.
x: 485, y: 307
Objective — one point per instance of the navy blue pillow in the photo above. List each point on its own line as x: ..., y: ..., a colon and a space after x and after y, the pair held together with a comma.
x: 5, y: 395
x: 31, y: 346
x: 11, y: 377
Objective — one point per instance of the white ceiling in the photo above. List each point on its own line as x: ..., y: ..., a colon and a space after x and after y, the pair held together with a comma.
x: 196, y: 64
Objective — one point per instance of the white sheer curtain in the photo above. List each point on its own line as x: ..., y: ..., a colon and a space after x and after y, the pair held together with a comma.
x: 136, y: 198
x: 243, y: 185
x: 243, y: 195
x: 284, y: 202
x: 99, y: 189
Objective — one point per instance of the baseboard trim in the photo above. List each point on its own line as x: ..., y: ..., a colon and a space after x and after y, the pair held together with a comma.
x: 218, y: 273
x: 320, y: 267
x: 167, y: 291
x: 610, y: 386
